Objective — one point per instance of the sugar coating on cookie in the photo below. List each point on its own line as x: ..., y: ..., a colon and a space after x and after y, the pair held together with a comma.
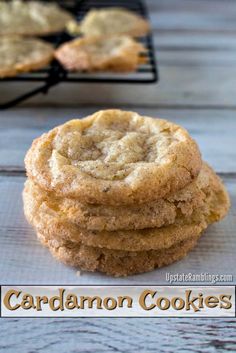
x: 19, y: 55
x: 110, y: 53
x: 114, y: 157
x: 113, y: 20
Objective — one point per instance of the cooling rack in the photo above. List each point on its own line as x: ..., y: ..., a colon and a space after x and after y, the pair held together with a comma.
x: 55, y: 74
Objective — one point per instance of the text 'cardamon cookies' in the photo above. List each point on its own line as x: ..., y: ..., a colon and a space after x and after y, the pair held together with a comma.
x: 120, y: 193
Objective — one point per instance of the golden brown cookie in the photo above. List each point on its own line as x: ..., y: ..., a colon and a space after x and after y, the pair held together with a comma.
x: 149, y: 215
x: 19, y: 55
x: 114, y: 157
x: 111, y: 53
x: 114, y: 262
x: 31, y: 18
x: 46, y: 219
x: 113, y: 20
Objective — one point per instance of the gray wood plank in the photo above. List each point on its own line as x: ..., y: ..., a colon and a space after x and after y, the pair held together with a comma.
x: 190, y: 81
x: 214, y: 130
x: 187, y: 40
x: 202, y: 16
x: 24, y: 261
x: 192, y: 58
x: 179, y: 84
x: 117, y: 335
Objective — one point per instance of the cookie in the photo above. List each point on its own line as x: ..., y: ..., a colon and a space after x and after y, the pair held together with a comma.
x: 114, y: 262
x: 19, y: 55
x: 114, y: 157
x: 46, y: 219
x: 111, y: 53
x: 29, y: 18
x: 107, y: 21
x: 149, y: 215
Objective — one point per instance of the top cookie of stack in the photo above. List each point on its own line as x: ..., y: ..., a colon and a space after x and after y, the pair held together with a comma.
x: 120, y: 193
x: 114, y: 157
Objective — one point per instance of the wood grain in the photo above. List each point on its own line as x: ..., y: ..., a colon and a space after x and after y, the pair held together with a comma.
x: 118, y: 335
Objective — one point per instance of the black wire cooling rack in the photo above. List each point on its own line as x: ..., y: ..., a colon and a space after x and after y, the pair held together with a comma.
x: 55, y: 74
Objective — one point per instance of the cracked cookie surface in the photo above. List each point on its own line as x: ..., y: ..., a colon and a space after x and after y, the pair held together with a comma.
x: 114, y: 157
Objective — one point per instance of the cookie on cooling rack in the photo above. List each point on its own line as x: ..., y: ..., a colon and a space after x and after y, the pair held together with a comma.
x: 112, y: 53
x: 32, y: 18
x: 114, y: 157
x: 19, y: 55
x: 113, y: 20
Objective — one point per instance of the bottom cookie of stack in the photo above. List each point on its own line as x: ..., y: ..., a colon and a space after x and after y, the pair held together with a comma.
x: 115, y: 262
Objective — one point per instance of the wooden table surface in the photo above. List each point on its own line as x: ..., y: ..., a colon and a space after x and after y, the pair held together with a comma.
x: 195, y: 43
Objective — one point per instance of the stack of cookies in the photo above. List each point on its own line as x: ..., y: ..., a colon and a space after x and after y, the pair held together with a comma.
x: 120, y: 193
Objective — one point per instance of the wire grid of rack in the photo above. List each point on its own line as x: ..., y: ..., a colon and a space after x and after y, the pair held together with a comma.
x: 55, y: 73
